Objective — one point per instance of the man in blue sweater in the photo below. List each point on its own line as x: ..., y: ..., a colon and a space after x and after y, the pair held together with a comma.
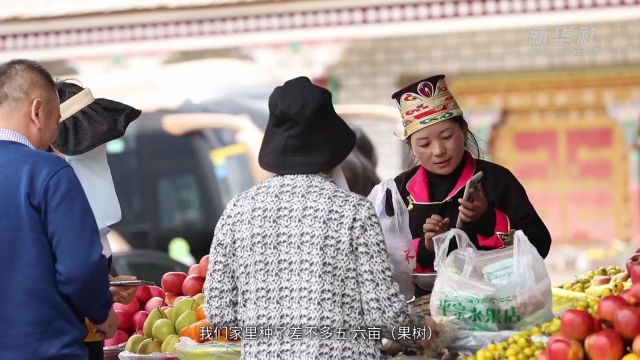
x: 52, y: 270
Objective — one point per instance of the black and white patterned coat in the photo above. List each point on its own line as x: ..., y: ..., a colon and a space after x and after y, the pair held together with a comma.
x: 296, y: 260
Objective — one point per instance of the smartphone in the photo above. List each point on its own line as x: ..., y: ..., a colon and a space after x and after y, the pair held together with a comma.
x: 131, y: 283
x: 472, y: 186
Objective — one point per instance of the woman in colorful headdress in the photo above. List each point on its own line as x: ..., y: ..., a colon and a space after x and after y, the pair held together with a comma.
x: 447, y: 154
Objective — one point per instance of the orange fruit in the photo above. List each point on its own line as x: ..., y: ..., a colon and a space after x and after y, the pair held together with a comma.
x: 200, y: 313
x: 191, y: 332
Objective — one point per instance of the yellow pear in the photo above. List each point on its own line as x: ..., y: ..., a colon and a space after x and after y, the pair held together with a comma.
x: 186, y: 319
x: 169, y: 344
x: 134, y: 343
x: 154, y: 316
x: 182, y: 306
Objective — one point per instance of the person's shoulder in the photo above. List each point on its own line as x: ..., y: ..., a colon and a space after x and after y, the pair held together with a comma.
x: 403, y: 178
x: 42, y: 160
x: 496, y: 174
x: 50, y: 162
x: 492, y: 168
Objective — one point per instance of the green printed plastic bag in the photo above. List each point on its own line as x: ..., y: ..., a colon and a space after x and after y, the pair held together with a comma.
x: 503, y: 289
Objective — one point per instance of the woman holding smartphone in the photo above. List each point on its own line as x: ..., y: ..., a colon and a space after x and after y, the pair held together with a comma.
x: 447, y: 154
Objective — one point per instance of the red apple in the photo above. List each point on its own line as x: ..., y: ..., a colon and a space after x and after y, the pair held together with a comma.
x: 124, y: 320
x: 204, y: 265
x: 192, y: 285
x: 633, y: 294
x: 635, y: 345
x: 194, y: 270
x: 118, y: 338
x: 563, y: 349
x: 604, y: 345
x: 608, y: 307
x: 172, y: 282
x: 556, y: 336
x: 139, y: 332
x: 597, y: 325
x: 138, y: 319
x: 635, y: 271
x: 576, y: 324
x: 156, y: 291
x: 129, y: 308
x: 626, y: 295
x: 634, y: 259
x: 627, y: 322
x: 170, y: 298
x: 143, y: 294
x: 154, y: 302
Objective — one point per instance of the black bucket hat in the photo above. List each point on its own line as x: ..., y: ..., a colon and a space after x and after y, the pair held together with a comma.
x: 304, y: 134
x: 87, y: 122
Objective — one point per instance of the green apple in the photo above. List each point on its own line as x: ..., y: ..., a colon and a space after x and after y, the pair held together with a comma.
x: 186, y: 319
x: 169, y: 344
x: 162, y: 329
x: 182, y: 306
x: 154, y: 316
x: 149, y: 346
x: 134, y: 342
x: 199, y: 298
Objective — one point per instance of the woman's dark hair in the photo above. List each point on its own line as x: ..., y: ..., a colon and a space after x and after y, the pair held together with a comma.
x: 470, y: 140
x: 365, y: 146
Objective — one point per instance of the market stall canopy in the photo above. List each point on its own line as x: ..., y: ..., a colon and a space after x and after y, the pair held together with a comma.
x: 26, y: 9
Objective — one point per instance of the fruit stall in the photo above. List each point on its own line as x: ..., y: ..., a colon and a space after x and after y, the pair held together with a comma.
x: 167, y: 322
x: 596, y: 316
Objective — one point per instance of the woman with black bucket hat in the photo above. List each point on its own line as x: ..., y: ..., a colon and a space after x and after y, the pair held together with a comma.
x: 86, y: 125
x: 297, y: 262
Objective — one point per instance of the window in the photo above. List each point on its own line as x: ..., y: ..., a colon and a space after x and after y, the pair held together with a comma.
x: 179, y: 201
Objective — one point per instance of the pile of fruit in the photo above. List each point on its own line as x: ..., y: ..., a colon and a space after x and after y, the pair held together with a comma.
x: 523, y: 345
x: 606, y: 328
x: 157, y: 317
x: 612, y: 334
x: 601, y: 282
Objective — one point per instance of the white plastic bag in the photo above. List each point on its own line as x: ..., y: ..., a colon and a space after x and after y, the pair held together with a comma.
x: 502, y: 289
x: 472, y: 341
x: 397, y: 235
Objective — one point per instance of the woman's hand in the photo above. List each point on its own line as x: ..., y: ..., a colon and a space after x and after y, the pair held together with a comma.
x: 471, y: 211
x: 122, y: 294
x: 433, y: 226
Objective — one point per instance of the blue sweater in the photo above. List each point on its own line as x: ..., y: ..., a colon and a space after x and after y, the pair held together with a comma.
x: 52, y: 271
